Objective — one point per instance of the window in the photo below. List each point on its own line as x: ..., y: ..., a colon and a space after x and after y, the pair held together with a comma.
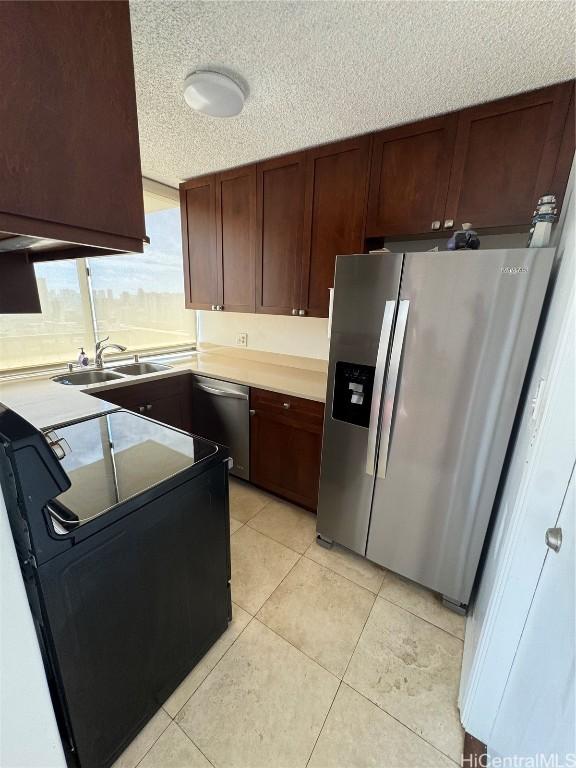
x: 137, y: 300
x: 64, y: 326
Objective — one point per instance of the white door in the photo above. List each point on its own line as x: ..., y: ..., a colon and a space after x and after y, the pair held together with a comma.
x: 537, y: 712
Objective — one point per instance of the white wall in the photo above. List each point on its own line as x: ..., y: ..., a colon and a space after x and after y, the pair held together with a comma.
x: 537, y: 478
x: 28, y: 732
x: 302, y: 336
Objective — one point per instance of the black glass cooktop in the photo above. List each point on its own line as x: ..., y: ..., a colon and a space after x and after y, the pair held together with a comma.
x: 112, y: 458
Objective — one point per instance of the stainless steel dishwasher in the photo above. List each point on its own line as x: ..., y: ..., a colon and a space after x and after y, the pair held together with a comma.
x: 221, y: 412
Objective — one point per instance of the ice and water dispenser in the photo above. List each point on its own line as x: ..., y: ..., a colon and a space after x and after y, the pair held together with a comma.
x: 353, y: 385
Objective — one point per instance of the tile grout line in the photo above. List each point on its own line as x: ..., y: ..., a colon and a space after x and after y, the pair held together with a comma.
x: 376, y: 704
x: 155, y: 740
x: 381, y: 708
x: 323, y: 565
x: 280, y: 582
x: 273, y: 539
x: 311, y: 559
x: 323, y: 723
x: 299, y: 650
x: 315, y: 661
x: 192, y: 740
x: 215, y: 665
x: 378, y: 594
x: 273, y: 501
x: 359, y: 637
x: 417, y: 616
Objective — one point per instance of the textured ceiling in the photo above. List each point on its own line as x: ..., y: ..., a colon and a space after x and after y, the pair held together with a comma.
x: 319, y: 71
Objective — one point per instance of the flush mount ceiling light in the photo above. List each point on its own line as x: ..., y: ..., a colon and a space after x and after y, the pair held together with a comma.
x: 213, y: 94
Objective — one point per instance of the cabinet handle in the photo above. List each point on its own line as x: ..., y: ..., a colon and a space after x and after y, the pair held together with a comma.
x: 220, y: 307
x: 435, y: 225
x: 252, y: 412
x: 302, y: 312
x: 141, y: 408
x: 285, y: 405
x: 149, y: 407
x: 294, y: 311
x: 449, y: 223
x: 213, y: 307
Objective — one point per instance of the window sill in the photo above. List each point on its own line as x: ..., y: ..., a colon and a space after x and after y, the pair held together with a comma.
x: 170, y: 353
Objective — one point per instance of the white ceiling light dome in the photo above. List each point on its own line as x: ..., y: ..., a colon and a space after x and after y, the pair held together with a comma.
x: 213, y: 94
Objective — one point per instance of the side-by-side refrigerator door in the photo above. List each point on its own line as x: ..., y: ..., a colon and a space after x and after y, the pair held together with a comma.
x: 461, y: 345
x: 364, y: 305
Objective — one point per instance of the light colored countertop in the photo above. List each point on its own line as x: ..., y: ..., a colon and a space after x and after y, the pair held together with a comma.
x: 45, y: 403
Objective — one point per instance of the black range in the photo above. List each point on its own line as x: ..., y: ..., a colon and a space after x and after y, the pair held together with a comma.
x: 122, y: 529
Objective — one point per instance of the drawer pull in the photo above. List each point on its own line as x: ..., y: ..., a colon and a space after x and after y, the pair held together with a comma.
x: 285, y: 405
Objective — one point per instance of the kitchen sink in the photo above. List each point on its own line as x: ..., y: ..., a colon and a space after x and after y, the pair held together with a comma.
x: 139, y: 369
x: 87, y: 377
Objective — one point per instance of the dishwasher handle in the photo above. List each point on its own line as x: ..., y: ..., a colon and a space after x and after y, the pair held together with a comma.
x: 222, y: 392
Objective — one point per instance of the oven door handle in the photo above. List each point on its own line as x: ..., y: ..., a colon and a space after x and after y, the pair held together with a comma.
x: 222, y: 392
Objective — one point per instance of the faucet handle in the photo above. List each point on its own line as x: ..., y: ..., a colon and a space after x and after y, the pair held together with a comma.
x: 99, y: 343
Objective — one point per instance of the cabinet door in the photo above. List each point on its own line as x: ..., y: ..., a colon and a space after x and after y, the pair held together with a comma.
x: 505, y: 157
x: 409, y: 177
x: 334, y: 215
x: 168, y: 410
x: 285, y: 446
x: 198, y: 211
x: 69, y: 149
x: 280, y: 197
x: 566, y: 153
x: 166, y: 400
x: 236, y: 238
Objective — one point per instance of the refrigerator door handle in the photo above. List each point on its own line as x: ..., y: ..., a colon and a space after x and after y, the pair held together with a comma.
x: 391, y: 386
x: 381, y: 359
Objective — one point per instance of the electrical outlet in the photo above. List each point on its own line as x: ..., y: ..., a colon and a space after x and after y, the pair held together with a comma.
x: 241, y: 339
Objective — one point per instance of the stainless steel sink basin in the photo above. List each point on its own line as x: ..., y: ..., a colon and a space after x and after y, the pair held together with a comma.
x: 139, y: 369
x: 86, y: 377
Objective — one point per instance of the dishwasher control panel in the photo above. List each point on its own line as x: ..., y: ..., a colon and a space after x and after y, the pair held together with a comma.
x: 353, y: 384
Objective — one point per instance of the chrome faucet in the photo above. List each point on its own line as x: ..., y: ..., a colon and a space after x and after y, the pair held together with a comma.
x: 101, y: 346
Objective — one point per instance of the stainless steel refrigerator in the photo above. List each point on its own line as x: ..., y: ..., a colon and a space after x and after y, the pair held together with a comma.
x: 428, y: 356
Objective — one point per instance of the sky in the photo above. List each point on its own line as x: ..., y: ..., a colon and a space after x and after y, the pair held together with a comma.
x: 158, y: 270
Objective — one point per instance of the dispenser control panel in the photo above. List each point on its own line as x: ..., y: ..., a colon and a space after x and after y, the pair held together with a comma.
x: 353, y: 385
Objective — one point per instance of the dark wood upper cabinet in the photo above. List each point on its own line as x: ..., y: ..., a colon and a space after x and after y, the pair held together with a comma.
x: 334, y: 215
x: 280, y: 224
x: 566, y: 153
x: 505, y: 157
x: 69, y: 149
x: 236, y: 238
x: 409, y: 176
x: 198, y: 212
x: 280, y: 199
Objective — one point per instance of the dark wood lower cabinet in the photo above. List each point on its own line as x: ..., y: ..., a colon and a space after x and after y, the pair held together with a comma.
x: 166, y: 400
x: 285, y: 445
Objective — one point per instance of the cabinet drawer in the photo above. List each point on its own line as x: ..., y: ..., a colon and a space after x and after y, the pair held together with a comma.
x: 297, y: 408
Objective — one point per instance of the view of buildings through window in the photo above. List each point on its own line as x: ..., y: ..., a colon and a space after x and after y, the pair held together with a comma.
x: 138, y: 300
